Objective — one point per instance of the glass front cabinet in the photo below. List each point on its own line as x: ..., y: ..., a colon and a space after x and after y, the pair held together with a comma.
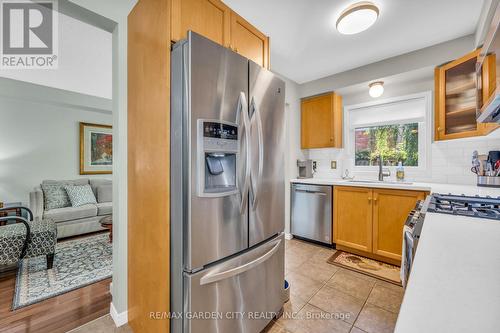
x: 457, y: 95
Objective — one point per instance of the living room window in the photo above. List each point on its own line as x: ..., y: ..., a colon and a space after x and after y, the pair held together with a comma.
x: 396, y: 129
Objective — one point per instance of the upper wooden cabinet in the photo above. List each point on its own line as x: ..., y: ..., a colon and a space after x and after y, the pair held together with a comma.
x: 210, y: 18
x: 216, y: 21
x: 369, y: 221
x: 248, y: 41
x: 456, y: 97
x: 321, y: 121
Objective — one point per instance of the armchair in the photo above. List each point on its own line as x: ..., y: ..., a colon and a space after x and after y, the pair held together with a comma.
x: 29, y: 238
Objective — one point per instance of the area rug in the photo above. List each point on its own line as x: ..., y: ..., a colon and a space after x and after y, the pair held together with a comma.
x: 380, y: 270
x: 77, y: 263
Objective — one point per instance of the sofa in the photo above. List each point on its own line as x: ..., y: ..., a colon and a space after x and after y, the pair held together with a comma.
x: 72, y: 221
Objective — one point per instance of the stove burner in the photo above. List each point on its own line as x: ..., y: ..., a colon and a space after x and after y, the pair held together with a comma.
x: 484, y: 207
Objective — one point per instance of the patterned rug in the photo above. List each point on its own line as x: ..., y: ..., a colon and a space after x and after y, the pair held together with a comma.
x: 77, y: 263
x: 380, y: 270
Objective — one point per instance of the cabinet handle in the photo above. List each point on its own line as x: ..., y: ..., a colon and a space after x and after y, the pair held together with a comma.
x: 440, y: 129
x: 375, y: 199
x: 369, y: 199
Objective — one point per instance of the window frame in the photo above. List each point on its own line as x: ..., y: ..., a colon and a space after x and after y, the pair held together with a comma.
x: 425, y: 132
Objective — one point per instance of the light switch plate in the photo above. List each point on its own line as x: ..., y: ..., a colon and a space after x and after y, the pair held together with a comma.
x: 333, y: 164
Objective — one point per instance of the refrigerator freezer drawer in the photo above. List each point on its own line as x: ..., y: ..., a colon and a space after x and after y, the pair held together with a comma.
x: 238, y: 295
x: 311, y: 215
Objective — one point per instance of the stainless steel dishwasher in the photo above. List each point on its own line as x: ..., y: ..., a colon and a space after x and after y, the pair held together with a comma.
x: 311, y: 216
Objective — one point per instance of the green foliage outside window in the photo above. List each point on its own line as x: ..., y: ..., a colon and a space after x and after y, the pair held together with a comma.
x: 394, y: 142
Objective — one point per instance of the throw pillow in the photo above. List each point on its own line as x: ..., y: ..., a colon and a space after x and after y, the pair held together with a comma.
x: 80, y: 195
x: 105, y: 193
x: 55, y: 196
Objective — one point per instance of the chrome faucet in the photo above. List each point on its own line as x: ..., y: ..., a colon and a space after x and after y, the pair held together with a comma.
x: 381, y: 171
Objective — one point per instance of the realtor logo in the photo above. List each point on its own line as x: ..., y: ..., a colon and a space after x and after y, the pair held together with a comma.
x: 29, y: 34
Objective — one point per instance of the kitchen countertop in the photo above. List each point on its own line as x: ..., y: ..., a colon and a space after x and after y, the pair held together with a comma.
x: 454, y: 284
x: 415, y: 186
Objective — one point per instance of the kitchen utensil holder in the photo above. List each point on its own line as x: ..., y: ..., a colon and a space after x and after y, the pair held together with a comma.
x: 488, y: 181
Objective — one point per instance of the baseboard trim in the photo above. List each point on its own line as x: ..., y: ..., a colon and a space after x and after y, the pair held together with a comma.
x: 120, y: 319
x: 288, y: 236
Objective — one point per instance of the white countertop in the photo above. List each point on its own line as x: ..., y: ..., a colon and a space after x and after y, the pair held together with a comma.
x: 454, y: 284
x: 416, y: 186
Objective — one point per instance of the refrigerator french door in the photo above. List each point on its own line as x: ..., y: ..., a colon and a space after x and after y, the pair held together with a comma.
x: 227, y: 189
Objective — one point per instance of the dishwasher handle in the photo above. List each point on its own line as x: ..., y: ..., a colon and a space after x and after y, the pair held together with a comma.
x: 309, y: 191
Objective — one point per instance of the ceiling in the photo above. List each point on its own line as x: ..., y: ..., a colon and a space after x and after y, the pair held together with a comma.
x: 306, y: 46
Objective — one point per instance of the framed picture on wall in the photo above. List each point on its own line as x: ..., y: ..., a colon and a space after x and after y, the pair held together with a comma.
x: 96, y: 149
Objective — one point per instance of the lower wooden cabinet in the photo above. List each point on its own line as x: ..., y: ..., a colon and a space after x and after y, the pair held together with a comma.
x: 390, y: 210
x: 370, y: 221
x: 353, y: 217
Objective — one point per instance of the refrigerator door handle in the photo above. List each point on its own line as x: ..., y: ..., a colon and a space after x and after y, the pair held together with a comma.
x: 243, y: 120
x: 211, y: 278
x: 260, y: 137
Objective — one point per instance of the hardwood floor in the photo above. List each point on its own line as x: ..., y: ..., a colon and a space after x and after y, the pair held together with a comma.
x: 58, y: 314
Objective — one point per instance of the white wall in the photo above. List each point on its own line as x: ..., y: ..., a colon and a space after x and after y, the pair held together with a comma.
x: 292, y: 141
x: 39, y: 138
x: 424, y: 58
x: 84, y: 61
x: 117, y: 11
x: 449, y: 161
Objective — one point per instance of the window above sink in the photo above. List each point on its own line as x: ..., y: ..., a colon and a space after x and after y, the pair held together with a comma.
x: 395, y: 143
x: 396, y: 128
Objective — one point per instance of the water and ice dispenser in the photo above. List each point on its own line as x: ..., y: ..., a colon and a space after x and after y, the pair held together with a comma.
x: 218, y: 158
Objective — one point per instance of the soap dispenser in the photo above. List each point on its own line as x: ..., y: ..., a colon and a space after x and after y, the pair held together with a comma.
x: 400, y: 172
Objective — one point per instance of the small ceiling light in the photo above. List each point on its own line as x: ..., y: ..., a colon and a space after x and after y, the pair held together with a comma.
x: 356, y: 18
x: 376, y: 89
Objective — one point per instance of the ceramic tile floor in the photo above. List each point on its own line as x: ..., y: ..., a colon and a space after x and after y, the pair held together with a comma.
x: 102, y: 325
x: 327, y: 298
x: 323, y: 298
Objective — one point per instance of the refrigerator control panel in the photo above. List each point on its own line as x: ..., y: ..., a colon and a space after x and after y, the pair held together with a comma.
x: 218, y: 158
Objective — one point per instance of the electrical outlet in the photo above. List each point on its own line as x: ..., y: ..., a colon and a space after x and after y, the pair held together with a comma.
x: 333, y: 164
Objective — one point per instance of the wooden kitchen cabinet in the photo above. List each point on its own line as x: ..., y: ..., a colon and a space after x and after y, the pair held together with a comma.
x: 321, y: 121
x: 210, y: 18
x: 248, y: 41
x: 456, y: 97
x: 353, y: 217
x: 369, y: 221
x: 390, y: 210
x: 216, y: 21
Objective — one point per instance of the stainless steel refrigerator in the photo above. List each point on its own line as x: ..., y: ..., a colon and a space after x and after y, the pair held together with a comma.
x: 227, y: 190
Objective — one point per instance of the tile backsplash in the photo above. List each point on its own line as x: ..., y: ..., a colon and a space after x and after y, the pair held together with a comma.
x: 449, y: 161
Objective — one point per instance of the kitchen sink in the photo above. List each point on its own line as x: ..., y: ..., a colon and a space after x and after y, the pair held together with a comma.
x: 371, y: 181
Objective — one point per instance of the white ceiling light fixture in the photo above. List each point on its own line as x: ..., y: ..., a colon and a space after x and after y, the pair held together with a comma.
x: 376, y: 89
x: 357, y: 18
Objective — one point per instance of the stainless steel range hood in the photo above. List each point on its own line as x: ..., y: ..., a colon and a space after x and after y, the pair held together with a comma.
x: 489, y: 112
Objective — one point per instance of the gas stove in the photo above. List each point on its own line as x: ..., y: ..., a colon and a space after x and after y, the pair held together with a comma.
x: 482, y: 207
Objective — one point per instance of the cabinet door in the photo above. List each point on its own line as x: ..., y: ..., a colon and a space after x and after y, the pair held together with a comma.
x: 455, y: 99
x: 209, y: 18
x: 352, y: 225
x: 488, y: 81
x: 321, y: 121
x: 390, y: 210
x: 248, y: 41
